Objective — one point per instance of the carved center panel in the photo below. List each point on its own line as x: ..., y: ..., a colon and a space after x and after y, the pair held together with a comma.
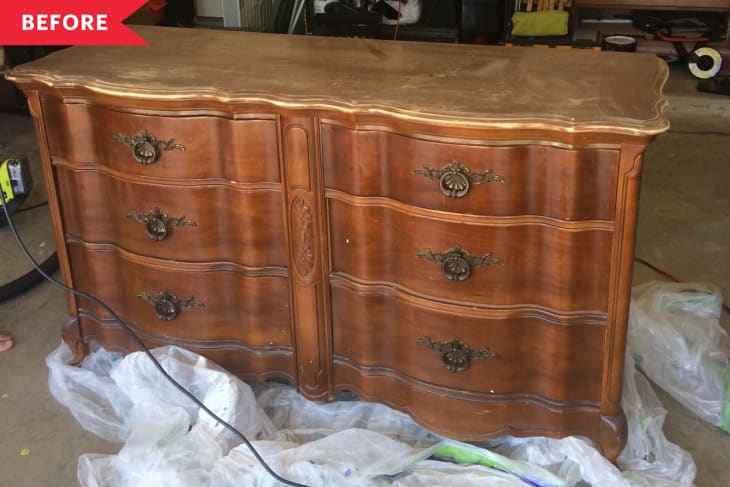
x: 302, y: 236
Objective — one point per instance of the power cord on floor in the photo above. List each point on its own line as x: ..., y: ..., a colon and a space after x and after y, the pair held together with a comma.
x: 33, y: 207
x: 146, y: 350
x: 670, y: 276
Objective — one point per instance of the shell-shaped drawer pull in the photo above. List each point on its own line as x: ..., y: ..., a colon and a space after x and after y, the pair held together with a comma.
x: 457, y: 263
x: 167, y: 306
x: 456, y: 354
x: 146, y: 147
x: 157, y: 223
x: 455, y: 179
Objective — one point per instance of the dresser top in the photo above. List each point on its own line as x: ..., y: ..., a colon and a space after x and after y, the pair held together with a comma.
x: 451, y: 84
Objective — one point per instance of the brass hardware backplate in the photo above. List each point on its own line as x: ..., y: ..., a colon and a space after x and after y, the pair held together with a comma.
x: 456, y: 354
x: 157, y: 223
x: 457, y: 263
x: 455, y: 179
x: 146, y: 147
x: 167, y: 306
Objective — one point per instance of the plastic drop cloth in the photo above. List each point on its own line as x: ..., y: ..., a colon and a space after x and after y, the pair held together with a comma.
x: 168, y: 442
x: 677, y: 341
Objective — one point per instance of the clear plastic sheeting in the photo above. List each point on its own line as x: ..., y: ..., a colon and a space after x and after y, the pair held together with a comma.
x: 649, y: 457
x: 676, y: 338
x: 169, y: 442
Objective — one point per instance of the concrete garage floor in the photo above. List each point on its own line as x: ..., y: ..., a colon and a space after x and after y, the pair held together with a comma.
x: 684, y: 227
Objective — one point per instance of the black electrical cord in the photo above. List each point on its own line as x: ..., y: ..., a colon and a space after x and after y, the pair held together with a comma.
x: 146, y: 350
x: 29, y: 279
x: 33, y: 207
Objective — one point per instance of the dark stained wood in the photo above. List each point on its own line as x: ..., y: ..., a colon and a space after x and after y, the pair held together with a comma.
x: 71, y: 333
x: 543, y: 265
x: 54, y: 200
x: 620, y: 281
x: 260, y: 317
x: 612, y: 435
x: 381, y: 163
x: 249, y: 363
x: 297, y: 168
x: 561, y: 361
x: 234, y: 151
x: 307, y: 254
x: 469, y: 417
x: 242, y: 226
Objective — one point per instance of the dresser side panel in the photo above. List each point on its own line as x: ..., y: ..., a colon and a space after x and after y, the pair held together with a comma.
x: 71, y: 331
x: 619, y: 291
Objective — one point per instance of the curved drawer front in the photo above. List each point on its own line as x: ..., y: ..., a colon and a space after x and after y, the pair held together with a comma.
x: 213, y: 304
x: 214, y: 147
x: 200, y: 223
x: 381, y: 333
x: 541, y: 265
x: 538, y: 179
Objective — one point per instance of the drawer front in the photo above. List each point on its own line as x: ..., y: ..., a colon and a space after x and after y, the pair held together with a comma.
x: 378, y: 331
x: 536, y: 264
x: 221, y: 304
x: 538, y: 180
x: 201, y: 223
x: 214, y: 147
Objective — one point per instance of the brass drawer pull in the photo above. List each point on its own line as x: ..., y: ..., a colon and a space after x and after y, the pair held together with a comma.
x: 456, y: 263
x: 455, y: 179
x: 456, y: 354
x: 145, y: 146
x: 167, y: 306
x: 157, y: 223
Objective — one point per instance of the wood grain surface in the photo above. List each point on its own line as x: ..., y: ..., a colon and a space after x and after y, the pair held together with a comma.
x: 259, y: 318
x: 245, y: 361
x: 381, y: 163
x: 379, y: 331
x: 462, y: 85
x: 231, y: 225
x: 216, y: 147
x: 543, y: 265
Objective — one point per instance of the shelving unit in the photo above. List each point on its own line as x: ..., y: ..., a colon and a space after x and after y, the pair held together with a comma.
x: 609, y: 14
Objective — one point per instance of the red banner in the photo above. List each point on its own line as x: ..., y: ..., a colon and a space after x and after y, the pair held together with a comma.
x: 68, y: 22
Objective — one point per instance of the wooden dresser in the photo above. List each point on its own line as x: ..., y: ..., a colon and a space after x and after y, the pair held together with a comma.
x: 445, y: 229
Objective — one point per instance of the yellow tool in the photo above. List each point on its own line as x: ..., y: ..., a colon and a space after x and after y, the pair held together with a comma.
x: 15, y: 181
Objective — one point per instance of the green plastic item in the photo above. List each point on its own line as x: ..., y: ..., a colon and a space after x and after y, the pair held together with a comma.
x: 466, y: 454
x: 457, y: 454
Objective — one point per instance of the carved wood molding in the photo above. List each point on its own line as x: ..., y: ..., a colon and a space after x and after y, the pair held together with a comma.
x: 302, y: 233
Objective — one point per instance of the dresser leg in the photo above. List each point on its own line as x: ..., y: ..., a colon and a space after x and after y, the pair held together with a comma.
x: 71, y: 333
x: 612, y: 433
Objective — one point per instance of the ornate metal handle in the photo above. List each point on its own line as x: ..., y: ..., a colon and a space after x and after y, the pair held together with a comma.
x: 157, y: 223
x: 455, y: 179
x: 167, y: 306
x: 456, y: 263
x: 456, y: 354
x: 145, y: 146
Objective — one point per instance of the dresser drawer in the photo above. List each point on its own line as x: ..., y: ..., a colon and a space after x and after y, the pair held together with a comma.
x: 537, y: 179
x: 383, y: 334
x: 194, y: 223
x: 222, y: 304
x: 537, y: 264
x: 214, y: 147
